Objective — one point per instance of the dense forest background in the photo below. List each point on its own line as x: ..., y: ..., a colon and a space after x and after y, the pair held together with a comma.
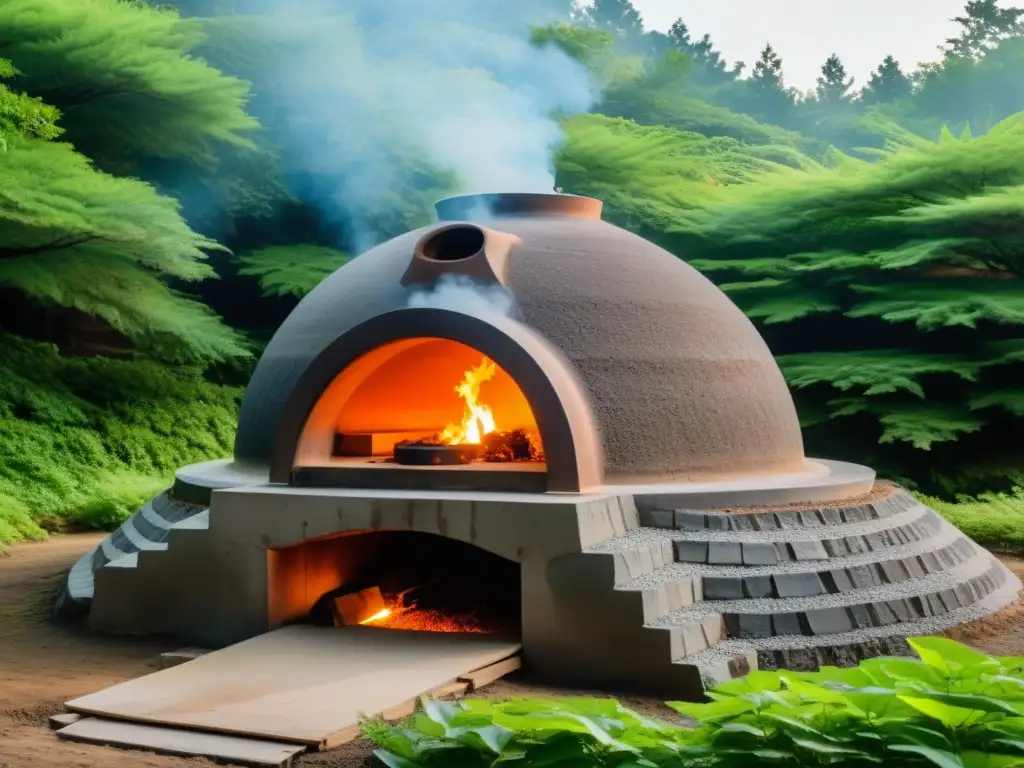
x: 174, y: 177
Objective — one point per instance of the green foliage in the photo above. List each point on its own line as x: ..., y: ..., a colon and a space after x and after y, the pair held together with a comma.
x: 22, y: 115
x: 995, y: 520
x: 84, y: 441
x: 951, y: 708
x: 123, y: 78
x: 72, y: 236
x: 291, y: 270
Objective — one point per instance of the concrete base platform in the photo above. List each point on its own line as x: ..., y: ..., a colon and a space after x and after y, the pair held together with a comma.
x: 657, y: 600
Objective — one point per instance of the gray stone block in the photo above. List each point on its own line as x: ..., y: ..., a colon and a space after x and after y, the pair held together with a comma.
x: 842, y: 580
x: 759, y: 554
x: 949, y: 599
x: 894, y: 571
x: 864, y: 576
x: 724, y: 553
x: 930, y: 562
x: 722, y: 588
x: 836, y: 547
x: 829, y: 621
x: 856, y: 544
x: 935, y: 605
x: 913, y: 566
x: 690, y: 520
x: 900, y: 608
x: 732, y: 624
x: 755, y: 625
x: 758, y: 586
x: 657, y: 518
x: 765, y: 521
x: 861, y: 616
x: 809, y: 518
x: 784, y: 553
x: 831, y: 515
x: 854, y: 514
x: 809, y: 550
x: 798, y: 585
x: 718, y: 521
x: 786, y: 624
x: 882, y: 614
x: 789, y: 521
x: 741, y: 523
x: 876, y: 541
x: 691, y: 551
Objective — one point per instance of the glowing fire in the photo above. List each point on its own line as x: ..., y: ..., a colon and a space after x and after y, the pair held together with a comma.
x: 477, y: 419
x: 410, y: 617
x: 378, y: 616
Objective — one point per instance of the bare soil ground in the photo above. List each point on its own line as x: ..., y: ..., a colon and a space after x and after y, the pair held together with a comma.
x: 43, y: 664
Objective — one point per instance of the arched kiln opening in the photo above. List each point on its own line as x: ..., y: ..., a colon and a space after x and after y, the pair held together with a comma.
x: 405, y: 580
x: 431, y: 413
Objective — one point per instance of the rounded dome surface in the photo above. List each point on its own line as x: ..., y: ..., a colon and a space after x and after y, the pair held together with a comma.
x: 681, y: 384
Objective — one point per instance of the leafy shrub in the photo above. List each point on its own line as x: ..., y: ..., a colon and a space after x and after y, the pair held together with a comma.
x: 85, y: 441
x: 952, y: 708
x: 993, y: 519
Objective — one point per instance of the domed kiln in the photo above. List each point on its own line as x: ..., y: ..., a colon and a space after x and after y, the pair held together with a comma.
x: 544, y: 388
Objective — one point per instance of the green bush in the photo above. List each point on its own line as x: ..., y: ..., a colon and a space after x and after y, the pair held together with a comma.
x: 993, y: 519
x: 85, y: 441
x: 952, y: 708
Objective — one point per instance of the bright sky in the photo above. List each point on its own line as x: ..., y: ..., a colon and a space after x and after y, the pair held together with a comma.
x: 806, y: 32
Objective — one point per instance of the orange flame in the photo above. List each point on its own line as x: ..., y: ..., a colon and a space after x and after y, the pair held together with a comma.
x: 378, y: 616
x: 477, y: 420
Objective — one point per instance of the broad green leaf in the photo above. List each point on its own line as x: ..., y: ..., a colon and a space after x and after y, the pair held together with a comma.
x: 938, y: 757
x: 950, y: 656
x: 492, y: 737
x: 948, y: 715
x: 1013, y: 746
x: 793, y: 723
x: 976, y: 759
x: 393, y: 761
x: 556, y: 752
x: 825, y: 748
x: 439, y: 711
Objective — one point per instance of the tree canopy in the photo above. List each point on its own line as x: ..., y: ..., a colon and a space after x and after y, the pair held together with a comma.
x: 175, y: 176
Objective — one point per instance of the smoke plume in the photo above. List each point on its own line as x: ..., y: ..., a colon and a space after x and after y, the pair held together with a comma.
x: 461, y: 294
x: 381, y: 85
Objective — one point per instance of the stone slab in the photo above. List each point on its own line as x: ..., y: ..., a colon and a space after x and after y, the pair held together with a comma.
x: 174, y: 741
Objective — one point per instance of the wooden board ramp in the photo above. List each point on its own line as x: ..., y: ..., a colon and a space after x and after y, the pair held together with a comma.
x: 174, y: 741
x: 304, y: 685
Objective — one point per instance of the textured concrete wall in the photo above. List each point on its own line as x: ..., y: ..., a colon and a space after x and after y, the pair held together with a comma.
x: 681, y: 383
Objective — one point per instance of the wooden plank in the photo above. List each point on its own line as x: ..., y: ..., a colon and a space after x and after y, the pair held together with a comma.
x: 486, y: 675
x: 62, y: 719
x: 299, y: 684
x: 180, y: 656
x: 172, y: 741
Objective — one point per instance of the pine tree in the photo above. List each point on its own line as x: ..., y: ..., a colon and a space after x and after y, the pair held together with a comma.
x: 767, y: 97
x: 984, y: 23
x: 833, y: 85
x: 618, y: 17
x: 887, y: 84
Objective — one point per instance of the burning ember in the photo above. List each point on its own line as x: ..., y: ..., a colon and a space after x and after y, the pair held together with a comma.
x: 476, y: 436
x: 424, y: 620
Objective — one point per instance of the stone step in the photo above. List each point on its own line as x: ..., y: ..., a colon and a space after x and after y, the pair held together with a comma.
x: 732, y: 657
x: 932, y: 595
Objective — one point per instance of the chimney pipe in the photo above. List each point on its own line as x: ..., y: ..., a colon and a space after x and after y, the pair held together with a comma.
x: 515, y: 205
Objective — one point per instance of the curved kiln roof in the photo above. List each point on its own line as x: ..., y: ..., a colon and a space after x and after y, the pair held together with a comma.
x: 681, y: 384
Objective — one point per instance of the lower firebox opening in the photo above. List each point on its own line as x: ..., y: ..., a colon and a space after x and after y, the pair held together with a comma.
x: 404, y: 580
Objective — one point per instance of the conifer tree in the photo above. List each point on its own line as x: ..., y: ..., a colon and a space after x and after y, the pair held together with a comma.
x: 767, y: 97
x: 888, y: 83
x: 833, y: 84
x: 619, y: 17
x: 983, y: 24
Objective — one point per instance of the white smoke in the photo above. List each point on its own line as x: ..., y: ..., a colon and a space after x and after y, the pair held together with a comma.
x: 462, y: 294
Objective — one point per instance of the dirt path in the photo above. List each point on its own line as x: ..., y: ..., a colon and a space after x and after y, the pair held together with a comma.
x: 42, y: 665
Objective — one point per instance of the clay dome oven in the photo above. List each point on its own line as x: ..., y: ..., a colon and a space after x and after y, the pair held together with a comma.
x: 620, y: 363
